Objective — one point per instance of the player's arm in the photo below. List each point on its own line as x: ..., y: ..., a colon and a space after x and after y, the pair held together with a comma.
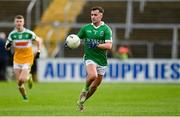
x: 106, y: 45
x: 39, y: 43
x: 108, y: 40
x: 8, y: 45
x: 81, y: 34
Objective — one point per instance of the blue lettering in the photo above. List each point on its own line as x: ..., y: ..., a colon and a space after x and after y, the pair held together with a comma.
x: 175, y: 71
x: 156, y: 70
x: 163, y: 71
x: 82, y: 71
x: 137, y: 68
x: 72, y: 70
x: 114, y: 70
x: 49, y: 71
x: 146, y: 72
x: 125, y: 68
x: 61, y: 70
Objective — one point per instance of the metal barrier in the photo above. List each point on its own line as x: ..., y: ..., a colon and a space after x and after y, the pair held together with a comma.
x: 128, y: 25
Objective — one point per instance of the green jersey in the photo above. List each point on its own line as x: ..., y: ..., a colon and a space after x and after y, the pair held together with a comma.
x: 101, y: 34
x: 22, y: 42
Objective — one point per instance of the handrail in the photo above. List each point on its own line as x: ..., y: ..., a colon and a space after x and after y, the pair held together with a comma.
x: 28, y: 15
x: 66, y: 9
x: 174, y: 27
x: 6, y: 24
x: 129, y: 18
x: 142, y: 5
x: 174, y: 48
x: 136, y: 25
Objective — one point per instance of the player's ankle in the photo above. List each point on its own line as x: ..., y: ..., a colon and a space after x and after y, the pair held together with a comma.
x: 85, y: 89
x: 25, y: 97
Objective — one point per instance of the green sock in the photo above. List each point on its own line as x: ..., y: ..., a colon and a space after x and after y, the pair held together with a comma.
x: 25, y: 97
x: 86, y: 88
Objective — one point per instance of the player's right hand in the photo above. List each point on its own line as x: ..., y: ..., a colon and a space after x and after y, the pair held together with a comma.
x: 8, y: 45
x: 65, y: 44
x: 92, y: 43
x: 37, y: 55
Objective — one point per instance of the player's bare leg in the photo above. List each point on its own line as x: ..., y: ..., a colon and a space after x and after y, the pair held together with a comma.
x: 83, y: 95
x: 22, y: 90
x: 86, y: 88
x: 94, y: 86
x: 30, y: 78
x: 21, y: 76
x: 30, y: 81
x: 92, y: 75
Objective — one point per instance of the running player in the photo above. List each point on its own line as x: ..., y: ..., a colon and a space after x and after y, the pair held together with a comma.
x: 97, y: 38
x: 21, y: 39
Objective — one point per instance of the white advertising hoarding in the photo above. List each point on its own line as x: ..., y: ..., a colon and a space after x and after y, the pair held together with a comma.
x: 132, y: 70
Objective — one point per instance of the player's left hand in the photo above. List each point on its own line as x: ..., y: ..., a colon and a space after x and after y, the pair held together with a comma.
x: 8, y: 45
x: 92, y: 44
x: 65, y: 44
x: 37, y: 55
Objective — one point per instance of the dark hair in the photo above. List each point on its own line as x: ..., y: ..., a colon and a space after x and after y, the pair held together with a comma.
x: 101, y: 10
x: 19, y: 17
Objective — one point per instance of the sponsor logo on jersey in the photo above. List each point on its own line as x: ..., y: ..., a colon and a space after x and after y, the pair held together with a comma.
x: 21, y: 43
x: 95, y: 31
x: 102, y: 33
x: 89, y: 31
x: 20, y: 36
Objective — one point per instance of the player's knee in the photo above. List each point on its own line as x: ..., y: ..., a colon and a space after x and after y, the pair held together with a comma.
x: 91, y: 79
x: 20, y: 82
x: 94, y: 87
x: 98, y: 84
x: 92, y: 76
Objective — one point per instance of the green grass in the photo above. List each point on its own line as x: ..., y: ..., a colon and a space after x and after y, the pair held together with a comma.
x: 111, y: 99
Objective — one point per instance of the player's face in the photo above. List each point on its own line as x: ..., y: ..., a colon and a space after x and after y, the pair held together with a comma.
x: 96, y: 16
x: 19, y: 23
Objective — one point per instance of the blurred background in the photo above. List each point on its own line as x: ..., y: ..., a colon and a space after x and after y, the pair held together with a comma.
x: 145, y: 37
x: 143, y: 74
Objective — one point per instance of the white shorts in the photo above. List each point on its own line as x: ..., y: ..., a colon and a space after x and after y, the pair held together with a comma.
x: 101, y: 70
x: 21, y: 66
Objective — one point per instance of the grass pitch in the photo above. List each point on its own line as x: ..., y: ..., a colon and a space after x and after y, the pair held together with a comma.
x: 111, y: 99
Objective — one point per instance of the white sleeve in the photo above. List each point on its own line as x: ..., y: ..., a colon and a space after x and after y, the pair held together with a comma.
x: 9, y: 37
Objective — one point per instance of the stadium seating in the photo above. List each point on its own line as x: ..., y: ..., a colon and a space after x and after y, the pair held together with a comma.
x: 157, y: 12
x: 55, y: 18
x: 8, y: 10
x: 115, y: 12
x: 153, y: 13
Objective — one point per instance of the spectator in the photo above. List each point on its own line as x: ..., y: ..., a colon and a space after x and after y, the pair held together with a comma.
x: 3, y: 57
x: 123, y: 52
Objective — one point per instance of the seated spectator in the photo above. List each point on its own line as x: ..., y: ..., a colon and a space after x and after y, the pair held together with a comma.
x: 123, y: 52
x: 3, y: 57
